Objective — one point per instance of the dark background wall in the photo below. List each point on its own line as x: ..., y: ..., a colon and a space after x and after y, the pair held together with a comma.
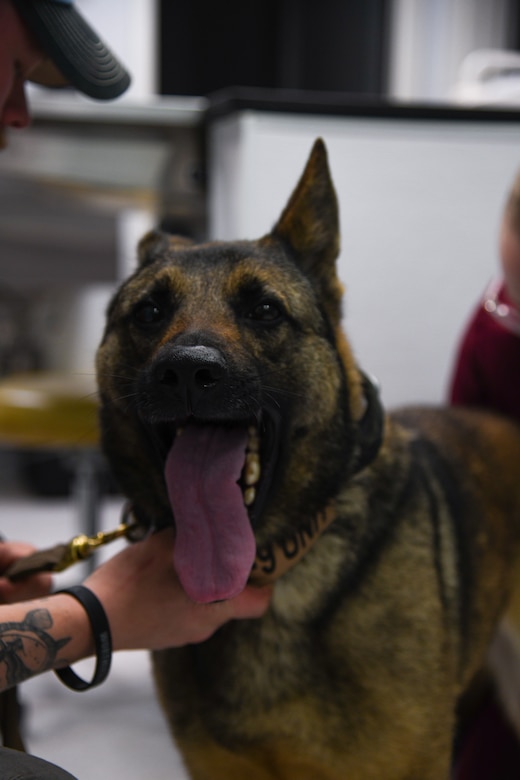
x: 327, y: 45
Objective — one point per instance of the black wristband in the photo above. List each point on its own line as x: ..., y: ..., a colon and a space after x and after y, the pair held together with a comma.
x: 102, y: 639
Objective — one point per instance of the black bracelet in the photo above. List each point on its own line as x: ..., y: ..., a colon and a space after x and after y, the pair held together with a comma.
x: 102, y: 639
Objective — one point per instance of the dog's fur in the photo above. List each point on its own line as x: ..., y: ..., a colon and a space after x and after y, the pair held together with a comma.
x: 356, y: 669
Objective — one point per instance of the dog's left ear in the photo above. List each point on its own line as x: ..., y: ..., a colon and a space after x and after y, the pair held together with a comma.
x: 310, y: 225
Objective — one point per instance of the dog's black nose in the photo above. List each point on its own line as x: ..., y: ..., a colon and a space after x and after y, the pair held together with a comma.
x: 191, y: 370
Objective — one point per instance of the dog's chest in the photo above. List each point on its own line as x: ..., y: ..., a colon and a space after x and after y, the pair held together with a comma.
x: 234, y: 682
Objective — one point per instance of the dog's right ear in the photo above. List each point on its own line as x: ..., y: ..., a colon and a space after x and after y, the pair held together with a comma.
x: 156, y: 243
x: 310, y: 222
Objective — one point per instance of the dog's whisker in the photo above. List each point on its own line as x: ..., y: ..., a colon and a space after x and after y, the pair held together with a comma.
x: 112, y: 375
x: 269, y: 390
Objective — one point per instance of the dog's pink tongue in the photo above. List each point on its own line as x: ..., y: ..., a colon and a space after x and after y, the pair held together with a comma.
x: 215, y: 546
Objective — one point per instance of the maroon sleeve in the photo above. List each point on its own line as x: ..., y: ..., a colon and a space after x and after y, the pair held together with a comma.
x: 466, y: 385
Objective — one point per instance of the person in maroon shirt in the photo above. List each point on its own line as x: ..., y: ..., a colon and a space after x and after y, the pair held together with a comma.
x: 487, y: 374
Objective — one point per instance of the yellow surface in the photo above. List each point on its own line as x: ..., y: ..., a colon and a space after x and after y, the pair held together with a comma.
x: 47, y: 410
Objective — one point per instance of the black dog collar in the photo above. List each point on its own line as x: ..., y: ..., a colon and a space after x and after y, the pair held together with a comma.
x: 276, y: 558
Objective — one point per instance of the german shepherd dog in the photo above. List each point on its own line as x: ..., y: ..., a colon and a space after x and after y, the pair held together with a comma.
x: 233, y: 408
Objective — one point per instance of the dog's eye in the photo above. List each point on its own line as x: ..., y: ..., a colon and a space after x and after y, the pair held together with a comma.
x: 267, y: 312
x: 148, y: 313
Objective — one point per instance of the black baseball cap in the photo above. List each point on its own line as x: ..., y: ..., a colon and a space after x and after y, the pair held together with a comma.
x: 78, y: 56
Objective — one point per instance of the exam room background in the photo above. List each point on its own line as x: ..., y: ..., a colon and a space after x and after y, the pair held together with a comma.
x: 419, y: 231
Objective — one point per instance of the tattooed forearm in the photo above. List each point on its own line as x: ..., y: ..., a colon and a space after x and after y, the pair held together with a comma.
x: 26, y: 648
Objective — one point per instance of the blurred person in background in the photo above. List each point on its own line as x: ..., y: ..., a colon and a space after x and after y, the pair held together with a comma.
x: 486, y: 374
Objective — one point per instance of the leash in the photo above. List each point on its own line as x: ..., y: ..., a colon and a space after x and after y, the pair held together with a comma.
x: 62, y: 556
x: 272, y: 560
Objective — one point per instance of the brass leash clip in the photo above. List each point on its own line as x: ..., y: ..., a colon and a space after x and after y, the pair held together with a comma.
x: 82, y: 546
x: 61, y: 556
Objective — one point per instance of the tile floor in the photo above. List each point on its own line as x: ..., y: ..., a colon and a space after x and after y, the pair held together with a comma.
x: 114, y: 731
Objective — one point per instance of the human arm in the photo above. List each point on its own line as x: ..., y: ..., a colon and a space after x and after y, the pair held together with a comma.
x: 144, y: 603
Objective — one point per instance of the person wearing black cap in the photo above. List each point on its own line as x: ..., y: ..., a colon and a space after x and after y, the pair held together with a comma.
x: 134, y: 600
x: 50, y: 43
x: 76, y: 55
